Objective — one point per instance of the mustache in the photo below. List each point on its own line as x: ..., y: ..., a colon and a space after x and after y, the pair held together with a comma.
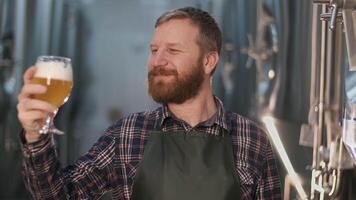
x: 160, y: 71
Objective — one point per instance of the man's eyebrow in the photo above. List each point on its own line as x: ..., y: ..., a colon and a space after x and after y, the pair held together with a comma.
x: 172, y: 44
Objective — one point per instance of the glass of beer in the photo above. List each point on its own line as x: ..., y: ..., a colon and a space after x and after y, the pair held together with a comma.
x: 57, y: 75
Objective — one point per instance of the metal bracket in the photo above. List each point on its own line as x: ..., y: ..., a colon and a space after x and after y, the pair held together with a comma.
x: 334, y: 14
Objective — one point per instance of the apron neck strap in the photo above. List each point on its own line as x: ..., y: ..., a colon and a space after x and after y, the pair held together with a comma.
x: 157, y: 126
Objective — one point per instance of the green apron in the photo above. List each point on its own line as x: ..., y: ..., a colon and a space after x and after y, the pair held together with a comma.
x: 187, y: 166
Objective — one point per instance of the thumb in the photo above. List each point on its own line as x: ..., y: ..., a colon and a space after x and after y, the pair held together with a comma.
x: 30, y: 72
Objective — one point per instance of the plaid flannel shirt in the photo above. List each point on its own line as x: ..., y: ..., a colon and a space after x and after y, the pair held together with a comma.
x: 111, y: 164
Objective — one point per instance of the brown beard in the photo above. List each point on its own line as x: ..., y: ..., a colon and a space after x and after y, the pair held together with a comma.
x: 182, y: 88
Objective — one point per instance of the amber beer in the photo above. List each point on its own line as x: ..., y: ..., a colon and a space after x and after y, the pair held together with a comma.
x: 57, y: 77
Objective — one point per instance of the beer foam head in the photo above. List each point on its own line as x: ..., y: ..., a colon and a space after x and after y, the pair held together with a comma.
x: 54, y: 70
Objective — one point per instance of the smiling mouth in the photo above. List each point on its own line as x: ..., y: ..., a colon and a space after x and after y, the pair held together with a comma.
x: 163, y: 78
x: 163, y: 75
x: 162, y: 72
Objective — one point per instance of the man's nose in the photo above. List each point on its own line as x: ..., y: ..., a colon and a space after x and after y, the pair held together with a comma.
x: 160, y: 59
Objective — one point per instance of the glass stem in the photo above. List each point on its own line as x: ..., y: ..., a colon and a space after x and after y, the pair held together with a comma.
x: 49, y: 127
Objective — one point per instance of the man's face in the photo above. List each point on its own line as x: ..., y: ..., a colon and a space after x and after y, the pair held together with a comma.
x: 175, y: 65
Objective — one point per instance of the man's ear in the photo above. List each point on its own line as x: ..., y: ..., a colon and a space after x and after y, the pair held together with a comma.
x: 210, y: 61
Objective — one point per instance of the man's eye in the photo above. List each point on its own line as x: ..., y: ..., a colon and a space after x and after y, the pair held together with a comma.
x: 174, y: 50
x: 153, y: 50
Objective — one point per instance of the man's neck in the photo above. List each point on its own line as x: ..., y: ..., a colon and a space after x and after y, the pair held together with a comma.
x: 195, y: 110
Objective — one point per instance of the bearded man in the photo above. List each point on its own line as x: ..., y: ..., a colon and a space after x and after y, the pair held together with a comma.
x: 189, y: 148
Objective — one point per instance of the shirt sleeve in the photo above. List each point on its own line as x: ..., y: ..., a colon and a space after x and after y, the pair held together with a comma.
x: 88, y: 178
x: 269, y: 186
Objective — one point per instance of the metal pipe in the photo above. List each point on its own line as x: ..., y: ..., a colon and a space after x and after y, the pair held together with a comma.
x: 19, y: 57
x: 46, y: 25
x: 314, y: 56
x: 320, y: 128
x: 58, y: 27
x: 337, y: 179
x: 333, y: 89
x: 3, y: 16
x: 321, y: 1
x: 349, y: 19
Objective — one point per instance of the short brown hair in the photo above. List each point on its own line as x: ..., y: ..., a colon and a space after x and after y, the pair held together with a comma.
x: 210, y: 34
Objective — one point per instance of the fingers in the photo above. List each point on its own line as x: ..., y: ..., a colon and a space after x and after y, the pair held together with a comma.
x: 32, y: 120
x: 28, y: 104
x: 32, y: 113
x: 30, y: 89
x: 30, y: 72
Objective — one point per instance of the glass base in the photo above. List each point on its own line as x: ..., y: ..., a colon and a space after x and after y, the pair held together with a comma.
x: 54, y: 130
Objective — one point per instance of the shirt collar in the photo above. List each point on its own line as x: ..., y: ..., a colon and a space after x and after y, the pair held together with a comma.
x: 220, y: 120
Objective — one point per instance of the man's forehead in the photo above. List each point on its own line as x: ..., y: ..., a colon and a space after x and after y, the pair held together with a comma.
x: 183, y: 21
x: 175, y: 32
